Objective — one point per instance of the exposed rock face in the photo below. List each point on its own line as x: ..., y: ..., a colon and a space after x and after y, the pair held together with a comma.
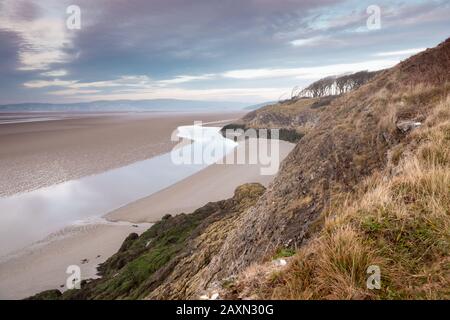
x: 188, y: 271
x: 347, y: 144
x: 288, y: 115
x: 405, y: 126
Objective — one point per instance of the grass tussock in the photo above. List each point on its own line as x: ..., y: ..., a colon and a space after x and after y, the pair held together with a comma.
x: 398, y: 221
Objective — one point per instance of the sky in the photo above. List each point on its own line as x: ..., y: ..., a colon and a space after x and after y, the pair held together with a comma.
x: 217, y: 50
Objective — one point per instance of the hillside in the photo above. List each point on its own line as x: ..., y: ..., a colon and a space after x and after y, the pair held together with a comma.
x: 367, y: 184
x: 361, y: 139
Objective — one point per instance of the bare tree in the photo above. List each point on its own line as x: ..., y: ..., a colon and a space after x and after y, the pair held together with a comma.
x: 334, y: 85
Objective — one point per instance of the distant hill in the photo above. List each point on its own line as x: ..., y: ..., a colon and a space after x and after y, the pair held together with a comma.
x: 260, y: 105
x: 126, y: 105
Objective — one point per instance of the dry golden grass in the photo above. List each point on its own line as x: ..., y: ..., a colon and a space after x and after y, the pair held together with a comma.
x: 298, y: 114
x: 396, y: 218
x: 291, y: 108
x: 399, y: 220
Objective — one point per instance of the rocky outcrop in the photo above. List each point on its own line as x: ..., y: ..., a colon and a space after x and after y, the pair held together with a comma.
x: 405, y: 126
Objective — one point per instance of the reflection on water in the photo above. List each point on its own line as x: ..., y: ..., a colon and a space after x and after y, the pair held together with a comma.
x: 29, y: 217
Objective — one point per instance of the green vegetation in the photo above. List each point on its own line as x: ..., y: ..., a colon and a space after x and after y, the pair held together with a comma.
x: 284, y: 252
x: 46, y: 295
x: 125, y: 273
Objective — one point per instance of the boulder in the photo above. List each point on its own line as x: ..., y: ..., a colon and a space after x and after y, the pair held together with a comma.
x: 405, y: 126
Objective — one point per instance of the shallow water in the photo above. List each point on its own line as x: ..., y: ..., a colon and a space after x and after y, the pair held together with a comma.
x: 28, y: 217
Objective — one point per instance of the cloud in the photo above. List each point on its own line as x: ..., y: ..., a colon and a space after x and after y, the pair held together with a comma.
x: 308, y: 41
x: 186, y: 78
x: 40, y: 58
x: 200, y: 45
x: 137, y: 81
x: 123, y: 81
x: 43, y: 39
x: 55, y: 73
x: 72, y: 92
x: 48, y: 83
x: 145, y: 82
x: 310, y: 72
x: 143, y: 87
x: 400, y: 52
x: 9, y: 46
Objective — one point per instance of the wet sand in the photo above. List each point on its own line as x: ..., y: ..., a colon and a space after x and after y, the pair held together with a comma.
x: 214, y: 183
x: 43, y: 153
x: 43, y: 266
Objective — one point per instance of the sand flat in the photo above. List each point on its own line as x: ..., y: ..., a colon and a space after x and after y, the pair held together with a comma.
x: 43, y: 268
x: 39, y: 154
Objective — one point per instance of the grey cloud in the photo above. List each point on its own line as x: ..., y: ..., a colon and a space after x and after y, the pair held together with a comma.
x: 8, y: 52
x: 154, y: 30
x: 164, y: 39
x: 22, y: 10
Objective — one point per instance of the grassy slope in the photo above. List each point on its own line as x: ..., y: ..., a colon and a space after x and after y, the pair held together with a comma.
x: 293, y: 118
x: 398, y: 218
